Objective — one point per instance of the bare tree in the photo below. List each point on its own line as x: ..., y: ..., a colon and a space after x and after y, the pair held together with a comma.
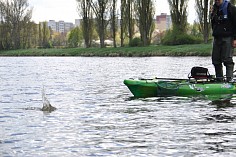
x: 178, y: 11
x: 123, y: 22
x: 85, y: 10
x: 202, y: 9
x: 145, y: 14
x: 233, y: 2
x: 130, y: 19
x: 100, y: 8
x: 114, y: 21
x: 127, y: 20
x: 5, y: 42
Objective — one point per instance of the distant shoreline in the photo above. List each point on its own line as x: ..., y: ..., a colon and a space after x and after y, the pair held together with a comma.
x: 159, y: 50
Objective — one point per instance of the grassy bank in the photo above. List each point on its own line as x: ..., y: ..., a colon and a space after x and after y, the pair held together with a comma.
x: 160, y: 50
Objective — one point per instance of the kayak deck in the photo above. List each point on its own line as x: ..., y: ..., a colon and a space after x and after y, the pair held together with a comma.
x: 142, y: 88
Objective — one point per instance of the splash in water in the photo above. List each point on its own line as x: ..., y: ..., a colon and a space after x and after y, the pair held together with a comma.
x: 46, y: 104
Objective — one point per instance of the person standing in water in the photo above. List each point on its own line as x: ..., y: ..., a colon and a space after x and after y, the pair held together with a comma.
x: 223, y: 21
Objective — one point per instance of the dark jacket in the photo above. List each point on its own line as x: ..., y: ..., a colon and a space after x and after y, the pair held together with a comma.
x: 224, y: 27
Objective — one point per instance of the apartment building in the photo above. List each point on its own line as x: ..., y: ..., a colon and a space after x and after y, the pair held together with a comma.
x: 163, y: 22
x: 53, y: 25
x: 78, y: 22
x: 60, y: 26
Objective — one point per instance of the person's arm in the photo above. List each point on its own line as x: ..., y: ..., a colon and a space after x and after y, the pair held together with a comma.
x: 233, y: 14
x: 213, y: 11
x: 212, y: 15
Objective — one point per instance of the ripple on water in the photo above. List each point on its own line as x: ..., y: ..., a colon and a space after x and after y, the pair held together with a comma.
x: 97, y: 116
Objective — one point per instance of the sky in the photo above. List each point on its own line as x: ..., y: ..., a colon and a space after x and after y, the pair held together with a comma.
x: 66, y: 10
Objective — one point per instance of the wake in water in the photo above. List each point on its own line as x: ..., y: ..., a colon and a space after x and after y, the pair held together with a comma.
x: 46, y: 104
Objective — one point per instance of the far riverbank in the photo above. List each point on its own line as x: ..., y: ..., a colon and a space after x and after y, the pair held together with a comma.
x: 159, y: 50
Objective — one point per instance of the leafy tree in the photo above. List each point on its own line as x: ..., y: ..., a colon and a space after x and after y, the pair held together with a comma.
x: 14, y: 13
x: 40, y: 40
x: 195, y: 30
x: 44, y: 35
x: 59, y: 39
x: 75, y: 37
x: 29, y: 35
x: 178, y: 35
x: 5, y: 37
x: 34, y: 35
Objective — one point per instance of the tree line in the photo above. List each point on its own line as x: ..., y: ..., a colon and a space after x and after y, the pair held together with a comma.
x: 133, y: 13
x: 100, y: 21
x: 18, y: 31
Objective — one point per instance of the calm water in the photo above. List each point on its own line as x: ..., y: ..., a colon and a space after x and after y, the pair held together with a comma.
x: 97, y: 116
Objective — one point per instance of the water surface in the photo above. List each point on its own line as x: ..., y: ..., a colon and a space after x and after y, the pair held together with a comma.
x: 96, y: 114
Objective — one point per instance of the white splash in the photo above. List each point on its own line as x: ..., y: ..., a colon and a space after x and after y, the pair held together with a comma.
x: 46, y: 104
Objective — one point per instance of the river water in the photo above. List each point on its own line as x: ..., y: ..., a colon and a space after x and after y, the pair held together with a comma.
x: 96, y: 114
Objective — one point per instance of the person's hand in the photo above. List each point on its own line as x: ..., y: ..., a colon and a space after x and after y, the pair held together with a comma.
x: 211, y: 9
x: 234, y: 43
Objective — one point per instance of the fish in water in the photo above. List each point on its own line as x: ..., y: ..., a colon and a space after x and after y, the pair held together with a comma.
x: 47, y: 107
x: 46, y: 104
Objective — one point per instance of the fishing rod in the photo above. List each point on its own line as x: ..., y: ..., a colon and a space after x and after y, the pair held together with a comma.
x: 211, y: 77
x: 163, y: 78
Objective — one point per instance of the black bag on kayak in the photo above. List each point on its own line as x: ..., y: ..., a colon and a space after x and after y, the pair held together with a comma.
x: 199, y: 73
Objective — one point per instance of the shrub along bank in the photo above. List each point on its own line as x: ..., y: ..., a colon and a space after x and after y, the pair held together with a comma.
x: 159, y: 50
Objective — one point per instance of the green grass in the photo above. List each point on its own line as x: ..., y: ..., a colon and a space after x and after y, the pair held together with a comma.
x: 160, y: 50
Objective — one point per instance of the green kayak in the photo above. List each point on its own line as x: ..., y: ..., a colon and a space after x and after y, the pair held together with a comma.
x: 142, y: 88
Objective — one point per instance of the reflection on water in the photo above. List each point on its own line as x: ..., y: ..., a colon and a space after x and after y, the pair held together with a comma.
x: 220, y: 137
x: 221, y: 118
x: 97, y: 115
x: 222, y: 103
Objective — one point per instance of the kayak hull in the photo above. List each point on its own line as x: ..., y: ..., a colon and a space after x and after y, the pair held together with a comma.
x: 142, y: 88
